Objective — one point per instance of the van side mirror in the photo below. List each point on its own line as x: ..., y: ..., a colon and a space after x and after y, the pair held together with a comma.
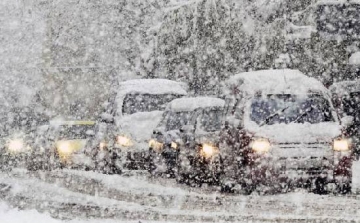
x: 107, y: 118
x: 346, y: 121
x: 187, y: 129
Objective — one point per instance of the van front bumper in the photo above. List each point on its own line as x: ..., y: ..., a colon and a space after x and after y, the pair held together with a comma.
x: 269, y: 168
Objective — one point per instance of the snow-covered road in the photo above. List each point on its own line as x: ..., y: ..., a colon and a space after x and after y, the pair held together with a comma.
x: 77, y: 196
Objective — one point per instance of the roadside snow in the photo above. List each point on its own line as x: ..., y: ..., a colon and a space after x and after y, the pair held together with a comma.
x: 12, y: 215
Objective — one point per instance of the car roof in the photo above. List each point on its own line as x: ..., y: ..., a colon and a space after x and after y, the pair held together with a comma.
x: 193, y: 103
x: 345, y: 87
x: 153, y: 86
x: 284, y: 81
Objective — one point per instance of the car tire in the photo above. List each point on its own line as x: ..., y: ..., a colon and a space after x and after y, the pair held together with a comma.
x: 183, y: 177
x: 320, y: 186
x: 155, y: 160
x: 343, y: 187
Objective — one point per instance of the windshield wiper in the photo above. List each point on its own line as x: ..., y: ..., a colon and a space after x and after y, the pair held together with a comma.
x: 278, y: 112
x: 303, y: 114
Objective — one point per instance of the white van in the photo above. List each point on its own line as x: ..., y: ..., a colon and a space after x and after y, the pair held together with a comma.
x: 281, y: 129
x: 137, y: 109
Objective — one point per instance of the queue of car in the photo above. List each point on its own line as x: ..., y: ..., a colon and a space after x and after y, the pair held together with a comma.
x: 282, y: 133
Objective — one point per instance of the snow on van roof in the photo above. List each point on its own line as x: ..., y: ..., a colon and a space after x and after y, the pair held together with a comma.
x: 345, y: 87
x: 153, y: 86
x: 190, y: 104
x: 273, y: 82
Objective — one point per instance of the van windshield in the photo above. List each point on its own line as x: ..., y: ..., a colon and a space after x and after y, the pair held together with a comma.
x: 286, y: 108
x: 134, y: 103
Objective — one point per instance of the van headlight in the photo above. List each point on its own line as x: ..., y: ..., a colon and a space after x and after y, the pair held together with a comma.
x: 341, y: 145
x: 124, y: 141
x: 261, y: 146
x: 208, y: 150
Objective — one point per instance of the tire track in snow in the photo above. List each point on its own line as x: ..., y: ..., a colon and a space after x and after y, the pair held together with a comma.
x: 229, y: 207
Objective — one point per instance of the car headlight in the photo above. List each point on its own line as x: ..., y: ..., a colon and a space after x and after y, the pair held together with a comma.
x: 260, y: 146
x: 64, y: 148
x: 102, y: 145
x: 174, y: 145
x: 16, y: 146
x: 124, y: 141
x: 155, y: 145
x: 341, y: 145
x: 208, y: 150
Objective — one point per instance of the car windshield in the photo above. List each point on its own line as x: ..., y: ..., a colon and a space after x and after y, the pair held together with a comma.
x: 211, y: 120
x: 284, y: 108
x: 175, y: 120
x: 134, y: 103
x: 75, y: 131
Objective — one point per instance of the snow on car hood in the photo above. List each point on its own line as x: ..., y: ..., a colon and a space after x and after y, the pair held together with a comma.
x: 296, y: 132
x: 139, y: 125
x: 172, y: 136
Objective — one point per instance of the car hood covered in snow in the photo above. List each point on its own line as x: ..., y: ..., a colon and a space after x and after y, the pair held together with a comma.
x: 296, y: 132
x: 139, y: 126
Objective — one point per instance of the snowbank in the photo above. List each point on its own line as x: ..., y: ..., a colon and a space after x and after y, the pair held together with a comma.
x: 11, y: 215
x: 14, y: 215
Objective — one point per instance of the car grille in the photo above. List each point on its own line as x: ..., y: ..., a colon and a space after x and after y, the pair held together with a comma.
x: 303, y: 150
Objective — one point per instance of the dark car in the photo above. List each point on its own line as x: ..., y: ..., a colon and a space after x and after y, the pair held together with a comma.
x: 21, y: 129
x: 186, y: 122
x: 346, y: 98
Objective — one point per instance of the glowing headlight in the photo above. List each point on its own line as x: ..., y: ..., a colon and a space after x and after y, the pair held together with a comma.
x: 208, y: 150
x: 64, y: 148
x: 174, y: 145
x: 155, y: 145
x: 102, y: 145
x: 261, y: 145
x: 16, y: 146
x: 341, y: 145
x: 124, y: 141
